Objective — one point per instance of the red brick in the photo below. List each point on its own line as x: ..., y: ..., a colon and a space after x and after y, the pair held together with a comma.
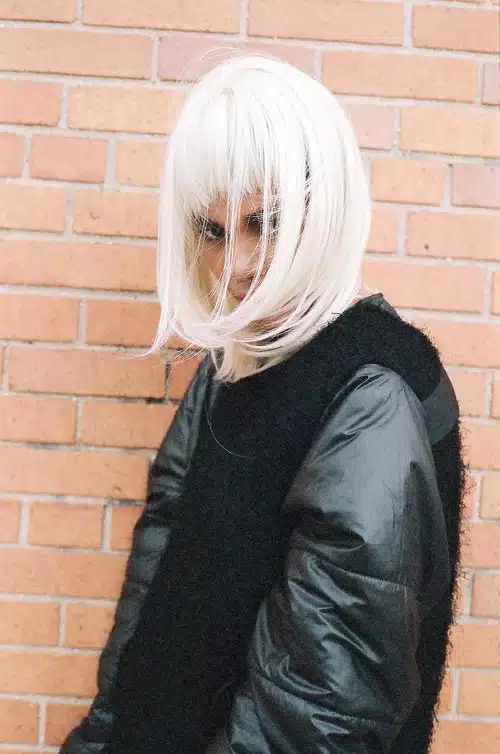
x: 402, y: 180
x: 122, y: 323
x: 88, y: 626
x: 464, y: 737
x: 474, y: 645
x: 68, y: 158
x: 496, y: 293
x: 388, y: 74
x: 445, y: 697
x: 61, y: 720
x: 26, y: 418
x: 32, y: 207
x: 486, y: 593
x: 125, y: 425
x: 481, y: 546
x: 124, y: 518
x: 57, y: 472
x: 34, y: 623
x: 371, y: 23
x: 78, y: 265
x: 425, y: 286
x: 18, y: 720
x: 470, y: 388
x: 85, y: 372
x: 186, y: 57
x: 114, y: 213
x: 459, y: 236
x: 490, y: 496
x: 495, y: 411
x: 64, y: 574
x: 479, y: 693
x: 456, y: 28
x: 47, y: 318
x: 384, y: 231
x: 66, y: 524
x: 10, y: 514
x: 11, y: 155
x: 181, y: 372
x: 491, y: 84
x: 34, y: 10
x: 476, y: 185
x: 39, y: 672
x: 30, y: 102
x: 475, y: 344
x: 139, y: 163
x: 470, y: 131
x: 484, y: 445
x: 132, y: 109
x: 79, y: 53
x: 156, y: 14
x: 374, y: 125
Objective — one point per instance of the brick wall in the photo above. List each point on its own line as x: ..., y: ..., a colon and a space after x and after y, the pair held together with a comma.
x: 88, y: 92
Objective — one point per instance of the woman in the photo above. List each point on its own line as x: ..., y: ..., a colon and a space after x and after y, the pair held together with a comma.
x: 292, y: 577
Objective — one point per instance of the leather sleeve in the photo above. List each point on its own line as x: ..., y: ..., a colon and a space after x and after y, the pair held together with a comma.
x: 150, y: 538
x: 332, y: 662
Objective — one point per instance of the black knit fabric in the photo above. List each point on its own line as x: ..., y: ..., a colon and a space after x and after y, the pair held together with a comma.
x: 228, y: 542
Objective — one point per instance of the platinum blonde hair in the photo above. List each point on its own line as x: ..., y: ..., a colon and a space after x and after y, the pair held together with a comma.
x: 259, y: 125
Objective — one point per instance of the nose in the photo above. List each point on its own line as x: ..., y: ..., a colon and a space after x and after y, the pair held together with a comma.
x: 246, y: 259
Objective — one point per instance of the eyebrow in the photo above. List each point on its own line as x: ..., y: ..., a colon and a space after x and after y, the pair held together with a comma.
x: 257, y: 215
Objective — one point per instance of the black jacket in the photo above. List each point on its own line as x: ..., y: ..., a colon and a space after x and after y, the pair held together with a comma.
x: 348, y: 649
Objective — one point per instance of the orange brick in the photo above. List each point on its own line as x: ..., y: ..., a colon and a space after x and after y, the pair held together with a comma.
x: 403, y: 180
x: 476, y: 185
x: 496, y: 297
x: 32, y: 207
x: 139, y: 163
x: 474, y: 645
x: 491, y: 84
x: 26, y: 418
x: 68, y: 158
x: 29, y: 622
x: 61, y: 720
x: 114, y: 213
x: 495, y: 409
x: 123, y: 520
x: 66, y: 524
x: 186, y: 57
x: 490, y: 496
x: 471, y: 494
x: 470, y: 131
x: 481, y: 546
x: 470, y: 388
x: 66, y: 574
x: 456, y: 28
x: 479, y: 693
x: 440, y: 234
x: 475, y: 344
x: 424, y: 286
x: 188, y: 15
x: 10, y: 513
x: 85, y: 372
x: 445, y: 697
x: 80, y: 53
x: 132, y: 109
x: 374, y: 125
x: 486, y: 594
x: 181, y: 372
x: 464, y: 737
x: 38, y: 317
x: 485, y: 445
x: 78, y: 265
x: 11, y: 155
x: 462, y: 595
x: 389, y: 74
x: 33, y: 10
x: 18, y: 720
x: 73, y: 473
x: 384, y: 231
x: 39, y: 672
x: 371, y: 23
x: 30, y: 102
x: 122, y: 323
x: 88, y: 626
x: 125, y: 425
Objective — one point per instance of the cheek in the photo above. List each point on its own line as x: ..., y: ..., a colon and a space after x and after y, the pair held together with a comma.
x: 214, y: 258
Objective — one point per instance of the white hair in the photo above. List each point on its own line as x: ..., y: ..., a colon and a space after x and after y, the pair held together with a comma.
x: 255, y: 124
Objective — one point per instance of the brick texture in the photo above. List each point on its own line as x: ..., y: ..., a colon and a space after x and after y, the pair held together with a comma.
x: 18, y: 721
x: 68, y: 159
x: 471, y: 132
x: 61, y: 719
x: 33, y: 10
x: 186, y: 16
x: 65, y: 524
x: 116, y: 213
x: 35, y: 623
x: 29, y: 102
x: 11, y: 155
x: 38, y: 318
x: 476, y: 185
x: 32, y: 207
x: 456, y: 28
x: 87, y: 626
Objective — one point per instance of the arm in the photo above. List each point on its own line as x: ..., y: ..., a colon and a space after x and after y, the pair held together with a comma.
x: 332, y: 661
x: 150, y: 537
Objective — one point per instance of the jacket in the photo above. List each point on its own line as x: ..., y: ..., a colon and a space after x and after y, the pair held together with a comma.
x: 348, y: 648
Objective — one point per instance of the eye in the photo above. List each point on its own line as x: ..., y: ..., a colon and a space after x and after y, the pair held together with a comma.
x: 256, y: 222
x: 209, y: 230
